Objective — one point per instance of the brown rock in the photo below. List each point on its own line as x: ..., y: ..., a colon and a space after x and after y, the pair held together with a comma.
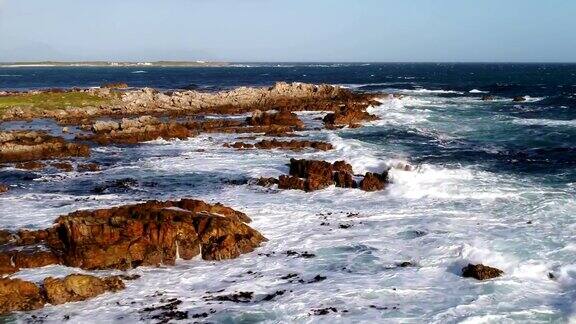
x: 347, y: 116
x: 3, y: 188
x: 78, y: 287
x: 481, y: 272
x: 7, y: 266
x: 282, y: 118
x: 19, y: 295
x: 64, y: 166
x: 31, y: 165
x: 34, y: 259
x: 294, y: 145
x: 132, y: 131
x: 21, y: 146
x: 266, y: 182
x: 88, y: 167
x: 6, y: 237
x: 374, y: 181
x: 289, y: 182
x: 344, y: 179
x: 151, y: 233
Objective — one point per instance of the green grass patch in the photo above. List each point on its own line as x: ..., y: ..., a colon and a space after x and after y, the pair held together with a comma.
x: 50, y: 100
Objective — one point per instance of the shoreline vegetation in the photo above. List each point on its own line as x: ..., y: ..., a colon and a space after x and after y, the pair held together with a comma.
x: 113, y: 64
x: 156, y: 233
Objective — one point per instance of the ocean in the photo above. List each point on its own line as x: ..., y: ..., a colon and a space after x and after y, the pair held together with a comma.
x: 494, y: 183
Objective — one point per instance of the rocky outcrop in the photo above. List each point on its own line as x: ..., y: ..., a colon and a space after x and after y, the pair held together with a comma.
x: 481, y: 272
x: 132, y: 131
x: 63, y: 166
x: 20, y: 295
x: 282, y: 96
x: 88, y: 167
x: 519, y: 99
x: 347, y: 116
x: 311, y: 175
x: 151, y: 233
x: 294, y: 145
x: 374, y: 181
x: 79, y: 287
x: 30, y: 165
x: 282, y: 118
x: 21, y: 146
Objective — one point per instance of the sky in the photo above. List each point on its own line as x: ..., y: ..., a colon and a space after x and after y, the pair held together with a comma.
x: 289, y: 30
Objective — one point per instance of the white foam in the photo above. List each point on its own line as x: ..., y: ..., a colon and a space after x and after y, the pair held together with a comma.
x: 544, y: 122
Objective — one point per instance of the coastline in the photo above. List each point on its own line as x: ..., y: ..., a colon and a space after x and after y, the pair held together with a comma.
x: 113, y: 64
x: 249, y: 153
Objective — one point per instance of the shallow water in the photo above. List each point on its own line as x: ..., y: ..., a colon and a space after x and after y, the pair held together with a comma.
x: 494, y: 183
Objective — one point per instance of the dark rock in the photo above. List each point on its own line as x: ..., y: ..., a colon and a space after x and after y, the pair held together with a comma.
x: 30, y: 165
x: 519, y: 99
x: 88, y: 167
x: 481, y: 272
x: 374, y: 181
x: 266, y: 182
x: 63, y: 166
x: 324, y: 311
x: 274, y: 295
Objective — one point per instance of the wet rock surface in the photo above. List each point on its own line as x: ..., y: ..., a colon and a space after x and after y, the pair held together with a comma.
x: 21, y: 146
x: 347, y: 116
x: 294, y: 145
x: 78, y: 287
x: 311, y: 175
x: 20, y: 295
x: 151, y: 233
x: 136, y: 130
x: 481, y: 272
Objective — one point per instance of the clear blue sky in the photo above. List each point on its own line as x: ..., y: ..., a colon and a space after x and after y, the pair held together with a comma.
x: 289, y: 30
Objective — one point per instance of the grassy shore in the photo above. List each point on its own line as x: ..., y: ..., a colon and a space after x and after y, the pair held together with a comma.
x: 50, y: 101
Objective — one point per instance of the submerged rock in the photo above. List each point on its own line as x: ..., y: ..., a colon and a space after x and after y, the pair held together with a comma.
x: 88, y: 167
x: 519, y: 99
x: 481, y: 272
x: 63, y: 166
x: 30, y: 165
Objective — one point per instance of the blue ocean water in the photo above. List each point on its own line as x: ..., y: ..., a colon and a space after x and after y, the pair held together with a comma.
x: 541, y: 139
x: 494, y: 182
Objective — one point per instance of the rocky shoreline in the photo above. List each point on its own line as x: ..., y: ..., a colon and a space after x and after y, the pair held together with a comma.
x: 158, y: 233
